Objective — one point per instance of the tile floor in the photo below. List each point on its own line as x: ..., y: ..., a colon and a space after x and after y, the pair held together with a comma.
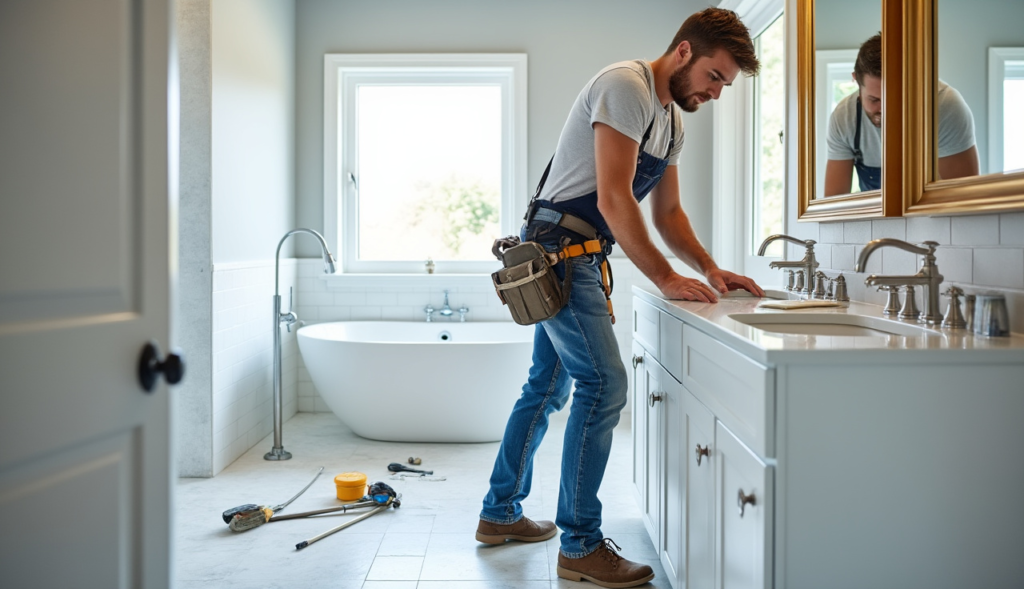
x: 428, y: 543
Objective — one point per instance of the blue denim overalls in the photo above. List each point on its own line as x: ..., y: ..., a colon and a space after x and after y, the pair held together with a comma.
x: 578, y: 344
x: 870, y: 177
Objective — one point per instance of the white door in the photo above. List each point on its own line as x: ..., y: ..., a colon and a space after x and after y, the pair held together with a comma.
x: 87, y: 194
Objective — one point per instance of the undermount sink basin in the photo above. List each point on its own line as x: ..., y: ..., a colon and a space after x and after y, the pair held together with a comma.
x: 828, y: 324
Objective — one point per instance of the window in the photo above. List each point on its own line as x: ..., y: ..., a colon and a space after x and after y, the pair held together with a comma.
x: 1005, y: 118
x: 424, y: 159
x: 769, y: 157
x: 834, y: 82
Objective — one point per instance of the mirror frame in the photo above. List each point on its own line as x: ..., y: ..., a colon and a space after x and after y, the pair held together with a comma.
x: 976, y: 194
x: 886, y: 202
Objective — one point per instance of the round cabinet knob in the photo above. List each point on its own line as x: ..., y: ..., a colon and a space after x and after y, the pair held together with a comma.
x: 742, y: 501
x: 652, y: 399
x: 151, y: 367
x: 705, y: 451
x: 637, y: 360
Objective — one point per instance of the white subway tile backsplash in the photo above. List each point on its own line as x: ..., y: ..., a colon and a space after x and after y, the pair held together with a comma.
x: 857, y: 232
x: 843, y: 257
x: 897, y: 261
x: 1011, y: 228
x: 892, y: 228
x: 975, y: 230
x: 243, y: 355
x: 1002, y: 267
x: 956, y: 264
x: 938, y: 229
x: 831, y: 232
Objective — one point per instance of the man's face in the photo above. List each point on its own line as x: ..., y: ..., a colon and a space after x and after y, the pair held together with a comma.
x: 701, y: 79
x: 871, y: 98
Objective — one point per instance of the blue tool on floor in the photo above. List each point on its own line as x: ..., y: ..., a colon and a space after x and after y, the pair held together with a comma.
x: 380, y: 493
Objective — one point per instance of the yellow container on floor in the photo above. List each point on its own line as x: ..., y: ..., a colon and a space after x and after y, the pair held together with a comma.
x: 351, y: 486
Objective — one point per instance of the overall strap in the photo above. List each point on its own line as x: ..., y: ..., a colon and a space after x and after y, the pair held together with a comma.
x: 672, y: 137
x: 857, y: 155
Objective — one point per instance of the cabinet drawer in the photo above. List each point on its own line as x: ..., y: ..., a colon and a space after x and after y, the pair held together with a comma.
x: 739, y: 391
x: 745, y: 514
x: 646, y: 321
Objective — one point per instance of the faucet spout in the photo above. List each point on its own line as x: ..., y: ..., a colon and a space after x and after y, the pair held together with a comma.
x: 808, y: 264
x: 764, y: 244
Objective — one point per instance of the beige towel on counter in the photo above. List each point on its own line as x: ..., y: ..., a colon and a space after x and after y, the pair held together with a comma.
x: 788, y: 305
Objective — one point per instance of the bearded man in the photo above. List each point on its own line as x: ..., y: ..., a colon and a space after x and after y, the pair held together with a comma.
x: 621, y: 141
x: 854, y: 144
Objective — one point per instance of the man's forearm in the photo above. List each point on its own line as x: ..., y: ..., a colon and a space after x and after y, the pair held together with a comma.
x: 679, y: 236
x: 622, y: 213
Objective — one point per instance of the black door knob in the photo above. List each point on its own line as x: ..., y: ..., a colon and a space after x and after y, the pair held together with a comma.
x: 150, y: 367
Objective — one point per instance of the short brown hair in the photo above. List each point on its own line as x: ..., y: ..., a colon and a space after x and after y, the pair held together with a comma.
x: 869, y: 59
x: 715, y: 28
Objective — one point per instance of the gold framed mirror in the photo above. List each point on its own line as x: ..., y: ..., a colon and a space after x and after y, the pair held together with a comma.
x: 992, y: 187
x: 887, y: 200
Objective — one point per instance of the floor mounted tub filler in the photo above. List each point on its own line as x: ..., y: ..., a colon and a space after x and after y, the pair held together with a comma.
x: 419, y: 382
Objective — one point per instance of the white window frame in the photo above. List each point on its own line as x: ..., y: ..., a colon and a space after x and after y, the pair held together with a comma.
x: 733, y: 151
x: 830, y: 65
x: 997, y: 58
x: 344, y: 72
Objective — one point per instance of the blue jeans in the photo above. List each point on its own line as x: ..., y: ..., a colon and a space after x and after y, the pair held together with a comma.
x: 576, y: 344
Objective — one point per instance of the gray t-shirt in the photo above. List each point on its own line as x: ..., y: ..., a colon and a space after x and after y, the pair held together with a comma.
x: 621, y: 96
x: 956, y: 128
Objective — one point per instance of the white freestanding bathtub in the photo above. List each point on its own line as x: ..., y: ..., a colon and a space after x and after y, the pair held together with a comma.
x: 419, y: 382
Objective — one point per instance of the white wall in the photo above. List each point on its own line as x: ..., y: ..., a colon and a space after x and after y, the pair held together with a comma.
x: 237, y: 200
x: 253, y: 66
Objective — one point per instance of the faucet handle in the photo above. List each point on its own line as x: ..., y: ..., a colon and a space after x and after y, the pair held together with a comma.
x: 954, y: 319
x: 892, y: 301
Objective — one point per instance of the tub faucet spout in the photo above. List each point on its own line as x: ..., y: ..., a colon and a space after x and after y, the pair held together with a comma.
x: 446, y: 311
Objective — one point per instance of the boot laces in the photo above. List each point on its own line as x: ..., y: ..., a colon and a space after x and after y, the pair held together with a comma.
x: 610, y: 552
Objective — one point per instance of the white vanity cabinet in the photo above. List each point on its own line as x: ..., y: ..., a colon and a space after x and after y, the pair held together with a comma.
x: 823, y: 461
x: 679, y: 473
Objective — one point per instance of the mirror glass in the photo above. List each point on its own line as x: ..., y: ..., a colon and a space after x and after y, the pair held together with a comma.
x: 841, y: 29
x: 980, y: 88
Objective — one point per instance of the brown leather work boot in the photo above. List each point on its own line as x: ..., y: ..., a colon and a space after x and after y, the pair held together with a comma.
x: 524, y: 530
x: 604, y: 567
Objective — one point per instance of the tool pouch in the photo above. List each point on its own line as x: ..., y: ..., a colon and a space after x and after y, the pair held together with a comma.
x: 528, y: 283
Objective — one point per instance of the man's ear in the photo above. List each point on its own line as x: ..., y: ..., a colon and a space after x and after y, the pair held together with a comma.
x: 683, y: 52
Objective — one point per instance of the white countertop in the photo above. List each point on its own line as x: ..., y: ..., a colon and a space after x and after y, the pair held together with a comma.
x: 934, y: 345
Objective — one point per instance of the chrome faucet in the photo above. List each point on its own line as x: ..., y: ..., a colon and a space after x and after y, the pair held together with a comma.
x: 928, y: 276
x: 277, y: 451
x: 445, y: 311
x: 429, y: 311
x: 462, y: 313
x: 808, y: 264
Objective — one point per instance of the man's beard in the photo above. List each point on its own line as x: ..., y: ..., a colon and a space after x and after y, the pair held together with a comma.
x: 679, y: 85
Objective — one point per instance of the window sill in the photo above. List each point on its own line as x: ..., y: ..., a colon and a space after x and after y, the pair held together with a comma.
x: 401, y: 280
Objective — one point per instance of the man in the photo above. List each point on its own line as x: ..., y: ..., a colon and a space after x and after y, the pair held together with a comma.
x: 621, y: 140
x: 854, y: 144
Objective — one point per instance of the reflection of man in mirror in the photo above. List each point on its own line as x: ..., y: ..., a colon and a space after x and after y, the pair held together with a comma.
x: 854, y: 144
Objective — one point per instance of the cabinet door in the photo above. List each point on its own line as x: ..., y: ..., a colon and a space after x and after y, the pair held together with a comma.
x: 698, y: 448
x: 672, y: 422
x: 744, y: 509
x: 638, y: 417
x: 652, y: 411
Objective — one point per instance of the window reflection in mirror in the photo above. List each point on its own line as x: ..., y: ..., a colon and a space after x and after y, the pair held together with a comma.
x: 848, y: 70
x: 980, y: 88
